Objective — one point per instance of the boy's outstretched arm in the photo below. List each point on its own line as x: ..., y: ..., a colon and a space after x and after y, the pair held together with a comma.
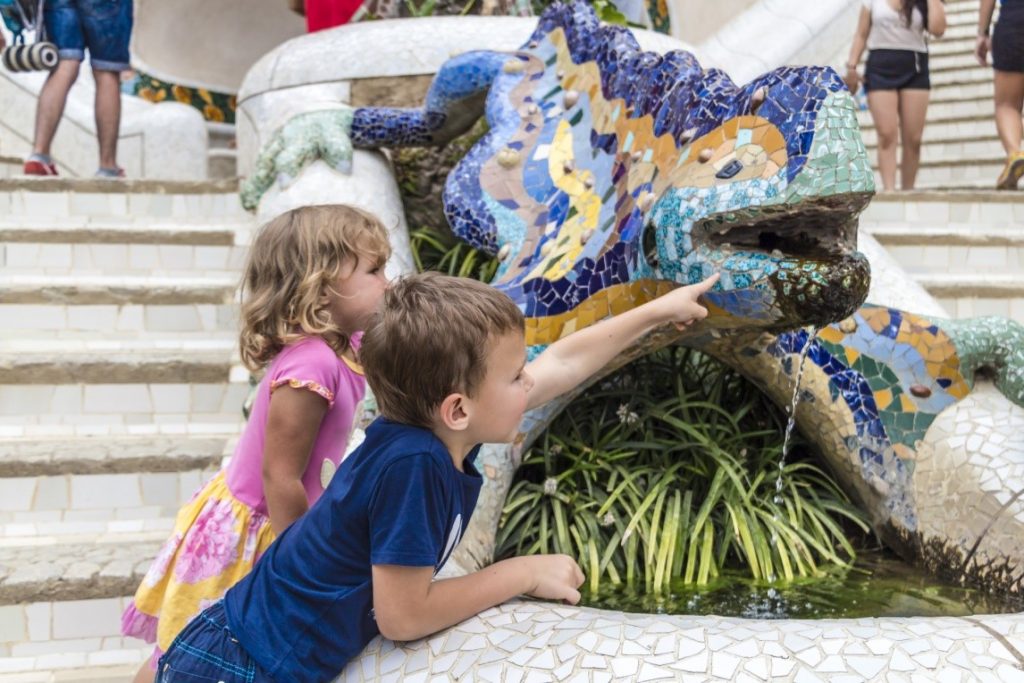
x: 408, y: 604
x: 571, y: 360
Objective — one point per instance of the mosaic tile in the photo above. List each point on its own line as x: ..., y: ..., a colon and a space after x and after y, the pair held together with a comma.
x: 609, y: 176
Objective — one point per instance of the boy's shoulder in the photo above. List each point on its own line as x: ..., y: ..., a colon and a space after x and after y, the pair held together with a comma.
x: 388, y: 442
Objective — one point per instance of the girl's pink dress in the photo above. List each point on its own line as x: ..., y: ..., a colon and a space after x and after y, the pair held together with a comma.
x: 223, y: 530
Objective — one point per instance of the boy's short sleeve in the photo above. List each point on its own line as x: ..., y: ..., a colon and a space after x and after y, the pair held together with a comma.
x: 407, y: 514
x: 310, y: 365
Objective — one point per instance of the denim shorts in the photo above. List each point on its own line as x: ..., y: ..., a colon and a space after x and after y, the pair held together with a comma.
x: 104, y: 27
x: 206, y: 652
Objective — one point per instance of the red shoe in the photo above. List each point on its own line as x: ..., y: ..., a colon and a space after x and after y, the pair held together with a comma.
x: 35, y: 167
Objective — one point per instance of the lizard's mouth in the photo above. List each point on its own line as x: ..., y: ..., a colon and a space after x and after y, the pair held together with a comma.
x: 799, y: 264
x: 818, y: 228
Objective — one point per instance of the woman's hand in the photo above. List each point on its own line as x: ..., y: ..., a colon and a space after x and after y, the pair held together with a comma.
x: 852, y: 79
x: 981, y: 49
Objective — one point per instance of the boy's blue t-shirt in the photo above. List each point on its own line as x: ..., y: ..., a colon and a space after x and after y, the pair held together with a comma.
x: 306, y: 608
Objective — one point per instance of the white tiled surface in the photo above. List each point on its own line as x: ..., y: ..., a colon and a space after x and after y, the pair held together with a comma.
x: 127, y: 259
x: 120, y: 404
x: 154, y: 207
x: 73, y: 321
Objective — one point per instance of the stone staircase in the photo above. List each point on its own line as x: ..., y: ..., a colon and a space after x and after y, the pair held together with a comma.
x: 965, y: 247
x: 960, y: 146
x: 120, y: 393
x: 955, y: 234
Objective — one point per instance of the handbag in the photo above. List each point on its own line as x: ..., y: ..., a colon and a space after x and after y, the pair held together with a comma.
x: 22, y: 16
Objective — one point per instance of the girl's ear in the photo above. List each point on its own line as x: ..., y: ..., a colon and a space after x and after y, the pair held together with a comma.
x: 454, y: 412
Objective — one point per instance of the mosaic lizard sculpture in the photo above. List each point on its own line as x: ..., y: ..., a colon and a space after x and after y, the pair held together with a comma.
x: 610, y: 175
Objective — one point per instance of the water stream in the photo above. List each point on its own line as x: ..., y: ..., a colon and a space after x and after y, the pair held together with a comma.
x: 812, y: 332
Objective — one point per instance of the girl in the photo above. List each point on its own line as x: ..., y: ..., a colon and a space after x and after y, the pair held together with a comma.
x: 313, y: 279
x: 896, y: 77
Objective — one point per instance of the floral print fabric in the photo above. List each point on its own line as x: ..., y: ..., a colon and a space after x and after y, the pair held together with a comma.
x: 216, y: 541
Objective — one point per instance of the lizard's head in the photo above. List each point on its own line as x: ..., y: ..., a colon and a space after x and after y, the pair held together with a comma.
x: 611, y: 175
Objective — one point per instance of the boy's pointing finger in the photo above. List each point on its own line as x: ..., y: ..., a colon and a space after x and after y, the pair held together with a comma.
x: 708, y: 283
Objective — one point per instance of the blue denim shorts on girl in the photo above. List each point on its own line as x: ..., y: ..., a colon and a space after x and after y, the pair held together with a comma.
x: 103, y: 27
x: 206, y: 652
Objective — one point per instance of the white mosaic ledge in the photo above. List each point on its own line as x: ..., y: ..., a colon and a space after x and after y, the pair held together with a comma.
x: 532, y: 642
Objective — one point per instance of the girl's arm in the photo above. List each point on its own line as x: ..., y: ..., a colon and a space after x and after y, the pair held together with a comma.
x: 571, y: 360
x: 937, y: 18
x: 293, y: 422
x: 408, y: 604
x: 860, y: 40
x: 983, y: 43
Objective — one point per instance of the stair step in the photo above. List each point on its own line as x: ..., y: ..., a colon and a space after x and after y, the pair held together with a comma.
x: 64, y: 321
x: 120, y: 259
x: 164, y: 200
x: 961, y: 43
x: 947, y: 134
x: 140, y: 231
x: 48, y: 361
x: 52, y: 456
x: 9, y: 166
x: 64, y: 506
x: 946, y: 151
x: 958, y: 15
x: 82, y: 568
x: 117, y: 290
x: 972, y: 172
x: 975, y: 285
x: 72, y: 640
x: 979, y: 109
x: 979, y: 129
x: 965, y: 71
x: 77, y: 409
x: 93, y: 667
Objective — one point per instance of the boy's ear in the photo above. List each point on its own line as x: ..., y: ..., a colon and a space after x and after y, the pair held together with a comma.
x: 454, y: 412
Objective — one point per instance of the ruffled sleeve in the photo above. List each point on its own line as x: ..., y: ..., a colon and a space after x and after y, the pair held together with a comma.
x: 309, y: 364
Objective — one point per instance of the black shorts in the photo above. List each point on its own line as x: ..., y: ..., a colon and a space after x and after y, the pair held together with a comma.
x: 897, y: 70
x: 1008, y: 38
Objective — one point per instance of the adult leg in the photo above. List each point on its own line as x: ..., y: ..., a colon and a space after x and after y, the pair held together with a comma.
x: 1009, y: 101
x: 913, y: 109
x: 884, y: 105
x: 108, y: 115
x: 50, y: 106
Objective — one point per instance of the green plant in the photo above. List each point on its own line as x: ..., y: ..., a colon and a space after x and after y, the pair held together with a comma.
x: 436, y: 250
x: 424, y: 9
x: 666, y: 471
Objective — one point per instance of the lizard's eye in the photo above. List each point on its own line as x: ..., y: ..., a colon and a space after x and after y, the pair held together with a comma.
x: 729, y: 170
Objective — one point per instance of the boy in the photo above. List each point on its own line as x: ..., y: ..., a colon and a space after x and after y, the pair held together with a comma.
x: 446, y: 359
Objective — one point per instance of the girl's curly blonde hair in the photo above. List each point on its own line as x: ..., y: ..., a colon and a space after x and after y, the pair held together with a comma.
x: 292, y: 261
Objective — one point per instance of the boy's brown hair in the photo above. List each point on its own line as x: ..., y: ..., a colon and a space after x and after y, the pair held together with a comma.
x: 430, y: 339
x: 292, y: 261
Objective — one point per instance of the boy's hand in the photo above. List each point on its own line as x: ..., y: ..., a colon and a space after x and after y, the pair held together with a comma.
x: 681, y: 306
x: 553, y: 577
